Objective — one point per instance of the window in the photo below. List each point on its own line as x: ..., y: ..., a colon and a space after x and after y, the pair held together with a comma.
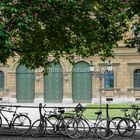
x: 1, y: 80
x: 108, y: 79
x: 137, y: 78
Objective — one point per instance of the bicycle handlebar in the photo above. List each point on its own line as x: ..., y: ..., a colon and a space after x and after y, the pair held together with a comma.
x: 136, y: 107
x: 8, y: 108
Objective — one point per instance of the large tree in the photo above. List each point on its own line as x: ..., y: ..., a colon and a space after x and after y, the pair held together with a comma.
x: 35, y: 29
x: 134, y: 41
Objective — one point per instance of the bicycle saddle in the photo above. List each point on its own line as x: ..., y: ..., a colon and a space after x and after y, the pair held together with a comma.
x: 61, y: 110
x: 124, y: 110
x: 98, y: 113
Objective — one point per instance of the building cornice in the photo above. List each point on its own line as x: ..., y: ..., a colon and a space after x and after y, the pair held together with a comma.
x: 133, y: 63
x: 4, y: 66
x: 105, y: 64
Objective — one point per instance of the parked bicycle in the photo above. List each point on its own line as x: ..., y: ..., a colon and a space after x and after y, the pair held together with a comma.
x: 52, y: 122
x: 76, y: 126
x: 104, y: 127
x: 134, y: 115
x: 126, y: 126
x: 19, y: 122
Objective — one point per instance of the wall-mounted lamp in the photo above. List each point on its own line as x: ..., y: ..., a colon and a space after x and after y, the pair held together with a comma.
x: 66, y: 77
x: 91, y: 67
x: 101, y: 76
x: 109, y: 66
x: 38, y: 77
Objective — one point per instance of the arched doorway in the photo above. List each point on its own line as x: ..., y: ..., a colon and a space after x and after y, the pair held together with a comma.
x: 53, y: 84
x: 81, y: 82
x: 25, y: 84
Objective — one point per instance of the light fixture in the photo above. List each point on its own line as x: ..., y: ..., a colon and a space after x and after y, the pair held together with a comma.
x: 109, y: 66
x: 66, y: 77
x: 91, y: 67
x: 38, y: 77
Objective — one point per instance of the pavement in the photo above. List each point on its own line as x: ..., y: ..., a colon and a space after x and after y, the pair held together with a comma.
x: 136, y: 136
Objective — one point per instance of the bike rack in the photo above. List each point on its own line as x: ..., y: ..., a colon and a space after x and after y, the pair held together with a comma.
x: 107, y: 108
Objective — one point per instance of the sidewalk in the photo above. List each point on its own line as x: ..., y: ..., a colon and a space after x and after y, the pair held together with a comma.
x: 58, y: 137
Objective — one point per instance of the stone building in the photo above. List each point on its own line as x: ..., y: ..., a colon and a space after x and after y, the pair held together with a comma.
x: 74, y: 83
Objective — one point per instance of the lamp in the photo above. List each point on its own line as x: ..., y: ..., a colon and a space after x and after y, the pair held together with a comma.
x: 38, y: 77
x: 91, y: 66
x: 109, y: 66
x: 101, y: 76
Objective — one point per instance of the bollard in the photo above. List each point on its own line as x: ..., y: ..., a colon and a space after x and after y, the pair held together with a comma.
x: 108, y: 119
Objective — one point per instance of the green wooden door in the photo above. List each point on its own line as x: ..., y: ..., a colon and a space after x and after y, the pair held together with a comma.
x: 53, y: 84
x: 25, y: 84
x: 81, y: 82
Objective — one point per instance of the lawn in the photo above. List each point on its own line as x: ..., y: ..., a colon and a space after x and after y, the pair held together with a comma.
x: 114, y: 110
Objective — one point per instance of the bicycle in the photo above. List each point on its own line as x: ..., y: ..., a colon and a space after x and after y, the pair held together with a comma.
x: 103, y: 127
x: 75, y: 127
x: 135, y: 115
x: 39, y: 126
x: 125, y: 125
x: 20, y: 122
x: 51, y: 123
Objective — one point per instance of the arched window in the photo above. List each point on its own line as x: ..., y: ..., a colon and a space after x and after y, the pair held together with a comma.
x: 108, y: 79
x: 1, y: 80
x: 137, y: 78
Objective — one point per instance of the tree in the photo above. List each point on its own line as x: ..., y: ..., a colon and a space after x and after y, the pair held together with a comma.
x: 134, y: 41
x: 35, y: 29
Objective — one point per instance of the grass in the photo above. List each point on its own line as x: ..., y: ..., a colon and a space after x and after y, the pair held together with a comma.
x: 114, y: 110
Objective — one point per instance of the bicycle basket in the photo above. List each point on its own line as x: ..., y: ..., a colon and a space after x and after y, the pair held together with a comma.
x: 79, y: 108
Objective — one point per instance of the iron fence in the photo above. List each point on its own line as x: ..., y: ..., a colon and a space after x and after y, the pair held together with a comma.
x: 34, y: 114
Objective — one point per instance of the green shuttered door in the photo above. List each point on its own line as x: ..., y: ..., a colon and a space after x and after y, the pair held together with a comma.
x: 25, y: 84
x: 81, y: 83
x: 53, y: 84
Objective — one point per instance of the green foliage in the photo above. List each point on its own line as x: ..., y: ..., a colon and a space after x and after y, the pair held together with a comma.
x: 134, y: 40
x: 61, y: 28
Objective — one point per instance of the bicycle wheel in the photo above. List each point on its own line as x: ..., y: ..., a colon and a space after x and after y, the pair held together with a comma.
x: 87, y: 128
x: 116, y: 120
x: 126, y: 127
x: 138, y: 122
x: 63, y: 124
x: 22, y: 124
x: 38, y: 128
x: 105, y: 129
x: 75, y: 128
x: 52, y: 124
x: 0, y: 121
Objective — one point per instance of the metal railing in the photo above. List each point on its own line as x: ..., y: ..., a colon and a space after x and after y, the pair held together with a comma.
x: 34, y: 113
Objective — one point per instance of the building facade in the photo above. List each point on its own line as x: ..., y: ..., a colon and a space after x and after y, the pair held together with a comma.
x: 74, y: 83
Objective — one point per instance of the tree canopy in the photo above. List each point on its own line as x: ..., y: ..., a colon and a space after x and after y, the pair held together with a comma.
x: 134, y: 41
x: 36, y: 29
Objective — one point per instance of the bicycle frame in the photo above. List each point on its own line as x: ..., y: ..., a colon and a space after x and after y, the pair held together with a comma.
x: 10, y: 123
x: 134, y: 115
